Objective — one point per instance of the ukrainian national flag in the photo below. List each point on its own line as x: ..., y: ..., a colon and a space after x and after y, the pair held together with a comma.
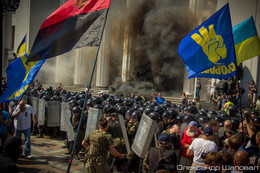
x: 247, y: 43
x: 210, y: 44
x: 21, y: 48
x: 19, y: 77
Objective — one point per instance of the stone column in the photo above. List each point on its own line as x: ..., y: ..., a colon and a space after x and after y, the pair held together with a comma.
x: 102, y: 67
x: 126, y: 64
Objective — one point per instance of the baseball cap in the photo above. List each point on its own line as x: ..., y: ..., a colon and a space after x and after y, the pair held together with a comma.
x: 164, y: 138
x: 208, y: 131
x: 193, y: 124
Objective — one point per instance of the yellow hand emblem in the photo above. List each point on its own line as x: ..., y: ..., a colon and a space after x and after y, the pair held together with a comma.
x: 212, y: 44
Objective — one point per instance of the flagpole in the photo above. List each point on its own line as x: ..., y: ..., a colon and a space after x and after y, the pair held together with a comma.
x: 240, y: 109
x: 86, y: 96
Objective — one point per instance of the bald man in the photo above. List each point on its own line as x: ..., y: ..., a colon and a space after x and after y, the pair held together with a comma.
x: 240, y: 160
x: 22, y: 123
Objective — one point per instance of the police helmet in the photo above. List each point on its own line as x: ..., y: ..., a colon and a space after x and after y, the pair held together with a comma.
x: 235, y: 123
x: 76, y: 109
x: 203, y: 120
x: 166, y: 114
x: 106, y: 107
x: 98, y: 106
x: 173, y: 113
x: 141, y: 110
x: 192, y: 109
x: 138, y: 98
x: 56, y: 93
x: 73, y: 102
x: 80, y: 103
x: 58, y: 98
x: 136, y: 114
x: 121, y: 110
x: 46, y: 98
x: 188, y: 118
x: 202, y: 114
x: 154, y: 115
x: 153, y: 104
x: 219, y: 119
x: 89, y: 103
x: 158, y: 109
x: 111, y: 110
x: 232, y: 110
x: 49, y: 88
x: 148, y: 110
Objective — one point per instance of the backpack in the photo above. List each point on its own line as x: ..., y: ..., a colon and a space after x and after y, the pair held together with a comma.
x: 165, y: 161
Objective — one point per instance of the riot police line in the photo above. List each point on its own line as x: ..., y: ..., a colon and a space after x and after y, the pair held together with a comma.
x: 54, y: 109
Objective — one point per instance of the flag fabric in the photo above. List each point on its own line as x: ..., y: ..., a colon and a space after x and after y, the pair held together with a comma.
x: 19, y: 77
x: 75, y: 24
x: 246, y: 40
x: 247, y: 45
x: 21, y: 47
x: 210, y: 44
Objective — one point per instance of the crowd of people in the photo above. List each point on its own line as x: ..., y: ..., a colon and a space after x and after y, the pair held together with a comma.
x: 189, y: 138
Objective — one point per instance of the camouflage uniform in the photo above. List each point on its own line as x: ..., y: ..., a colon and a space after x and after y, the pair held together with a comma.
x: 131, y: 131
x: 98, y: 146
x: 75, y: 123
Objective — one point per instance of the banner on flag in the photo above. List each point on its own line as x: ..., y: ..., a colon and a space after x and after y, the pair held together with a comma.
x: 209, y: 45
x: 74, y: 25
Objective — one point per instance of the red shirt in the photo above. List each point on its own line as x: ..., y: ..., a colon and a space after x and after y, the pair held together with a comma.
x: 187, y: 140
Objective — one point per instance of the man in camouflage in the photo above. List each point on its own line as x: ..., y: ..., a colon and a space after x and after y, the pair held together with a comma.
x: 132, y: 127
x: 98, y: 143
x: 76, y: 111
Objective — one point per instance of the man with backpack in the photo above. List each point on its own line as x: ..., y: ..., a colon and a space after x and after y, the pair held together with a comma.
x: 163, y: 157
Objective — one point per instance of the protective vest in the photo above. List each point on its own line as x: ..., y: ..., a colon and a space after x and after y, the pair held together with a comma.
x: 228, y: 104
x: 99, y: 144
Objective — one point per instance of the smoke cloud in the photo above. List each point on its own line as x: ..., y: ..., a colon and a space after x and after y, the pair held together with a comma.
x: 156, y: 29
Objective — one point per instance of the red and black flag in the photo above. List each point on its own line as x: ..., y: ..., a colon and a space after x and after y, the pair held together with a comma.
x: 77, y: 23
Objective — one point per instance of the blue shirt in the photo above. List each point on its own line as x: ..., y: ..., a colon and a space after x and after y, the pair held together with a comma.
x: 223, y: 102
x: 158, y: 100
x: 3, y: 128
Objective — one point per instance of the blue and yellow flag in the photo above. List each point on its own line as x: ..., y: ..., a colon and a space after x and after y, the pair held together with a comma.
x: 210, y: 44
x: 19, y: 77
x: 21, y: 47
x: 247, y: 45
x: 246, y: 40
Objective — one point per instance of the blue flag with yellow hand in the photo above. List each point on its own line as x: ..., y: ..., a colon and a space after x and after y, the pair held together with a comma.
x: 19, y: 77
x: 210, y: 44
x: 247, y: 45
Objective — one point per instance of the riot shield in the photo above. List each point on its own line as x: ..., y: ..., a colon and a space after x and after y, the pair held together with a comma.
x: 144, y: 135
x: 65, y: 112
x: 35, y: 104
x: 53, y: 113
x: 122, y: 124
x: 65, y: 123
x: 41, y: 115
x: 94, y: 115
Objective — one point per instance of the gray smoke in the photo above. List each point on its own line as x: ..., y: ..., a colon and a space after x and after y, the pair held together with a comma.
x: 157, y: 27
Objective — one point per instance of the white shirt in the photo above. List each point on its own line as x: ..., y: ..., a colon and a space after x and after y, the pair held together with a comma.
x: 199, y: 146
x: 23, y: 120
x: 213, y: 89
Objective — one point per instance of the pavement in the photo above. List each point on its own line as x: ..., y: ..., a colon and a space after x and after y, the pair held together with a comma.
x: 48, y: 157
